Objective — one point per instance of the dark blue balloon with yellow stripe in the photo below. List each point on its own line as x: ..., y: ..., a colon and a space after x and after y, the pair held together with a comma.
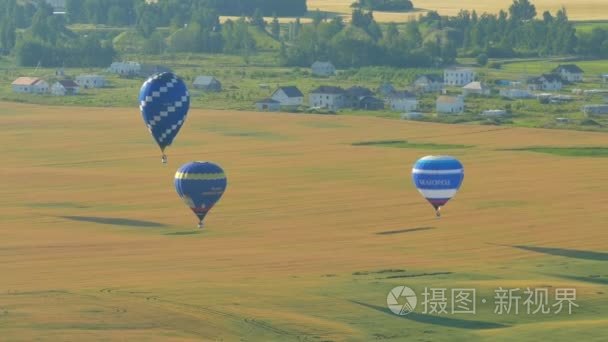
x: 164, y: 102
x: 200, y: 185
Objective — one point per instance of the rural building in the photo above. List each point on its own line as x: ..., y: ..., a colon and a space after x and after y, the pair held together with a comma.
x: 458, y: 76
x: 323, y: 69
x: 125, y: 68
x: 290, y: 97
x: 330, y: 97
x: 476, y: 88
x: 30, y: 85
x: 91, y: 81
x: 403, y: 101
x: 514, y: 93
x: 450, y: 104
x: 207, y: 83
x: 428, y: 83
x: 546, y: 82
x: 596, y: 109
x: 569, y: 72
x: 353, y: 96
x: 64, y: 87
x: 370, y: 103
x: 494, y: 112
x: 385, y: 89
x: 268, y: 105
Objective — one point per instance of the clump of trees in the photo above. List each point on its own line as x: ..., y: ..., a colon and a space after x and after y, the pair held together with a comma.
x: 384, y: 5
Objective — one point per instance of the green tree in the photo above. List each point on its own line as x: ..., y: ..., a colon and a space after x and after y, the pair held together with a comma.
x: 275, y: 28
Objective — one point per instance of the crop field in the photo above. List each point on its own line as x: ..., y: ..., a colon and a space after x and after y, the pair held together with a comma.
x: 319, y: 222
x: 577, y: 9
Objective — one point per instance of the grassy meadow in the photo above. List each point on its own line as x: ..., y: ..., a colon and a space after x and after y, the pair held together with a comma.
x: 319, y: 222
x: 577, y: 9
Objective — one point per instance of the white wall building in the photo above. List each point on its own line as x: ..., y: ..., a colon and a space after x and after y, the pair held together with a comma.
x: 91, y: 81
x: 30, y: 85
x: 332, y: 98
x: 458, y: 76
x: 288, y: 96
x: 125, y: 68
x: 450, y: 104
x: 403, y: 101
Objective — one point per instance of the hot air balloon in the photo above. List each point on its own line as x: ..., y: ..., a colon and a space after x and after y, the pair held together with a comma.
x: 438, y: 178
x: 200, y: 185
x: 164, y: 102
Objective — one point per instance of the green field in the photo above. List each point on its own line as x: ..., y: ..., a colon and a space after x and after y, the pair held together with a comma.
x: 308, y: 240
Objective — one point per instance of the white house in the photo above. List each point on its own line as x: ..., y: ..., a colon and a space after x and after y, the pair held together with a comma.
x: 515, y: 93
x: 428, y: 83
x: 332, y: 98
x: 569, y: 72
x: 268, y: 105
x: 458, y: 76
x: 323, y: 69
x: 450, y: 104
x: 91, y: 81
x: 125, y: 68
x: 290, y: 96
x: 64, y: 87
x: 476, y: 88
x: 546, y: 82
x: 403, y: 101
x: 31, y: 85
x: 207, y: 83
x: 596, y: 109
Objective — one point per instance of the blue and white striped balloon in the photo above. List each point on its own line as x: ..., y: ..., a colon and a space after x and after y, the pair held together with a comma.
x: 438, y: 178
x: 164, y: 102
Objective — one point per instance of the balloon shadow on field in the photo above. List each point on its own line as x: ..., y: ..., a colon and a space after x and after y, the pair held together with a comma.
x: 403, y: 231
x: 115, y: 221
x: 590, y: 279
x: 438, y: 320
x: 568, y: 253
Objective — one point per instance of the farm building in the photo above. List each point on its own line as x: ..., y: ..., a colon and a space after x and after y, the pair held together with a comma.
x: 30, y: 85
x: 125, y: 68
x: 385, y: 89
x: 569, y: 72
x: 207, y: 83
x: 370, y: 103
x: 546, y: 82
x: 91, y: 81
x: 353, y: 95
x: 428, y: 83
x: 458, y: 76
x: 329, y: 97
x: 514, y: 93
x: 289, y: 97
x: 403, y: 101
x: 476, y: 88
x: 268, y: 105
x: 64, y: 87
x: 450, y: 104
x: 323, y: 69
x: 596, y: 109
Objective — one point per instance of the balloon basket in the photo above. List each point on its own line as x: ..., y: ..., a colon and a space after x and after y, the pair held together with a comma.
x: 163, y: 159
x: 200, y: 225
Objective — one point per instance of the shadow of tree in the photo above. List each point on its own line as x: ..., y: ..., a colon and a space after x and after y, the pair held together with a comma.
x: 568, y: 253
x: 438, y: 320
x: 115, y: 221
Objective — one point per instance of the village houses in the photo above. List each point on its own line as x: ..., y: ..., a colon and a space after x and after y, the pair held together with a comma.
x: 403, y: 101
x: 90, y: 81
x: 458, y: 76
x: 546, y: 82
x: 30, y: 85
x: 428, y: 83
x: 207, y: 83
x: 569, y: 73
x: 450, y: 104
x: 288, y: 97
x: 64, y: 87
x: 330, y: 97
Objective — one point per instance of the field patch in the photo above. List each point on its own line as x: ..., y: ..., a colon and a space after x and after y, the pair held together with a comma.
x: 407, y: 144
x: 597, y: 152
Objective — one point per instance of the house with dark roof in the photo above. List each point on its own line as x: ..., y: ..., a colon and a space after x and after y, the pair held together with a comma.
x: 403, y: 101
x: 428, y: 83
x: 546, y: 82
x: 290, y: 96
x: 65, y: 87
x: 569, y: 72
x: 353, y: 95
x: 370, y: 103
x: 207, y: 83
x: 268, y: 105
x: 330, y: 97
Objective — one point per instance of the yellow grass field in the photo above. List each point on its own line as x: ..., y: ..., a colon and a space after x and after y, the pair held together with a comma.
x: 96, y: 245
x: 577, y: 9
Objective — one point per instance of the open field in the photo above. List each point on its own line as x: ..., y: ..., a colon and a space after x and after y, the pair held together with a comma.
x: 577, y: 9
x: 318, y: 224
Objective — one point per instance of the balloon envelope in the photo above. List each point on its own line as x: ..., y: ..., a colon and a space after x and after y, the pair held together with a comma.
x: 164, y: 102
x: 438, y: 178
x: 200, y: 185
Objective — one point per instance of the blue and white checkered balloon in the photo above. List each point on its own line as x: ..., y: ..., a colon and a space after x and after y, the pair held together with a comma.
x: 164, y: 102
